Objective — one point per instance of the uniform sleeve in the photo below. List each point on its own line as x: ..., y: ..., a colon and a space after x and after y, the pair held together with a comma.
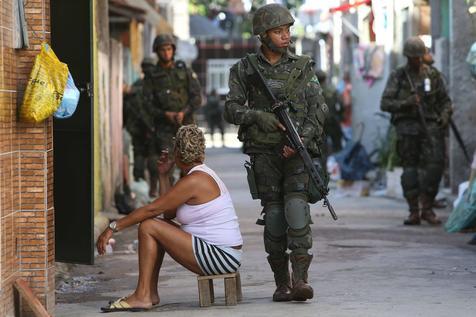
x: 317, y: 111
x: 236, y: 108
x: 135, y: 109
x: 389, y: 101
x: 194, y: 92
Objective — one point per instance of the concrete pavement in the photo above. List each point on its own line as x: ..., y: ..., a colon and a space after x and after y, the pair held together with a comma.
x: 366, y: 264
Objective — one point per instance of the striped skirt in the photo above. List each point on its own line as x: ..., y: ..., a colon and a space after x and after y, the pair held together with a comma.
x: 214, y: 260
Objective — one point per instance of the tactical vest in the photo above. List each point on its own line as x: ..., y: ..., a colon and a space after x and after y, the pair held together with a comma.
x: 431, y: 104
x: 171, y: 87
x: 287, y: 85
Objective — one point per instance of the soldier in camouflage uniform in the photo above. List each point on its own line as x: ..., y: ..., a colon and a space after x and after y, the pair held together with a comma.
x: 277, y: 175
x: 172, y: 93
x: 332, y: 127
x: 422, y: 154
x: 138, y: 121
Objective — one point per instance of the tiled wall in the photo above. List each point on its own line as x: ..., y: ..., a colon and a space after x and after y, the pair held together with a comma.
x: 26, y: 167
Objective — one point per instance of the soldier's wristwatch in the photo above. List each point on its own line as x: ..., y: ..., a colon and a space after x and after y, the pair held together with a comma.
x: 113, y: 226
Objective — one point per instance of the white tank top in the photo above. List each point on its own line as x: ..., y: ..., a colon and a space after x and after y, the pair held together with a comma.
x: 214, y: 221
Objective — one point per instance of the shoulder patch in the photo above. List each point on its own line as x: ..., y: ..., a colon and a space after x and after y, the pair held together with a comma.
x: 325, y: 108
x: 194, y: 75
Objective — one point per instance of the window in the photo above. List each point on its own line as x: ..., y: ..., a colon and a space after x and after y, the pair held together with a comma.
x: 218, y: 72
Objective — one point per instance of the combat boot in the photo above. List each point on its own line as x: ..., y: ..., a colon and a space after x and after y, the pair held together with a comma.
x: 280, y: 267
x: 301, y: 289
x: 427, y: 212
x: 414, y: 217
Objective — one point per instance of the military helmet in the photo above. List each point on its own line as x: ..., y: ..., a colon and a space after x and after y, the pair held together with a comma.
x: 270, y: 16
x: 414, y: 47
x: 163, y: 39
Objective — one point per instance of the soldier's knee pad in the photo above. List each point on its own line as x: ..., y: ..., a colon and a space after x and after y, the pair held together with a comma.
x: 300, y: 238
x: 409, y: 180
x: 275, y: 222
x: 296, y: 211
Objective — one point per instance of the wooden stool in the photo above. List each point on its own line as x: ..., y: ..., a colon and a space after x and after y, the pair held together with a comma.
x: 232, y: 289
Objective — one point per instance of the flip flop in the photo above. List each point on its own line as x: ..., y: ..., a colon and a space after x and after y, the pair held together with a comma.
x: 124, y: 298
x: 122, y: 305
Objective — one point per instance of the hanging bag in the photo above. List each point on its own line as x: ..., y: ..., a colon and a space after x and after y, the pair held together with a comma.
x: 45, y: 88
x: 70, y: 100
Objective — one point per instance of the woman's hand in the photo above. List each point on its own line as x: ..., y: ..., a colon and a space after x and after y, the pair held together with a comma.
x: 164, y: 164
x: 103, y: 240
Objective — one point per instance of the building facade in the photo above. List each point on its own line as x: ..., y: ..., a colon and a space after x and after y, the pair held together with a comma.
x: 26, y: 165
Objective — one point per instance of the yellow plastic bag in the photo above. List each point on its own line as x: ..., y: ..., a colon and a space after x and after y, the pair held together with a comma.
x: 45, y: 88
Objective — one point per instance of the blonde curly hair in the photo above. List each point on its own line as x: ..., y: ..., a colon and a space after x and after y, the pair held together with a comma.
x: 190, y: 144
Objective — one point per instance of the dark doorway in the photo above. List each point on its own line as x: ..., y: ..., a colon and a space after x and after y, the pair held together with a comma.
x: 71, y: 39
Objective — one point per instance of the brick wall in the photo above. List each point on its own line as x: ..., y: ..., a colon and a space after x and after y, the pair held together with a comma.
x: 26, y: 168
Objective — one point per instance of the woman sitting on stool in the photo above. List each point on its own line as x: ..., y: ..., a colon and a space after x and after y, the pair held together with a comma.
x: 207, y: 242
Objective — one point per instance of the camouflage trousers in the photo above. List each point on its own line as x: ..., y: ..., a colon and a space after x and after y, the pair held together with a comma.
x: 282, y: 186
x: 423, y: 161
x: 140, y: 146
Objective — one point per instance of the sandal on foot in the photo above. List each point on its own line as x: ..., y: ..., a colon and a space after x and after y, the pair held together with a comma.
x: 126, y: 297
x: 122, y: 305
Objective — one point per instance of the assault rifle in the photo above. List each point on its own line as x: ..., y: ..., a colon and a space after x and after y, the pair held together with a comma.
x: 279, y: 108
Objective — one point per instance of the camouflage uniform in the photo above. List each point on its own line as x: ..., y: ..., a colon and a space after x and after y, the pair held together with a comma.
x: 138, y: 121
x: 332, y: 127
x: 281, y: 184
x: 422, y: 158
x: 174, y: 89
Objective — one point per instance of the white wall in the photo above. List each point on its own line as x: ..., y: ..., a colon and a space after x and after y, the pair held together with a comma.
x: 176, y: 13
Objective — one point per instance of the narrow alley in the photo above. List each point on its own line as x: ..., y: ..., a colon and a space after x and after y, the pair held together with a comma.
x: 116, y: 112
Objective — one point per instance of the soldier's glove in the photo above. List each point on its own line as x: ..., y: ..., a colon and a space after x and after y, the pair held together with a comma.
x: 266, y: 121
x: 411, y: 101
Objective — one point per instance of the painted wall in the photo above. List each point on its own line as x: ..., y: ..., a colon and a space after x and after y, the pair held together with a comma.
x: 365, y: 106
x: 462, y: 90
